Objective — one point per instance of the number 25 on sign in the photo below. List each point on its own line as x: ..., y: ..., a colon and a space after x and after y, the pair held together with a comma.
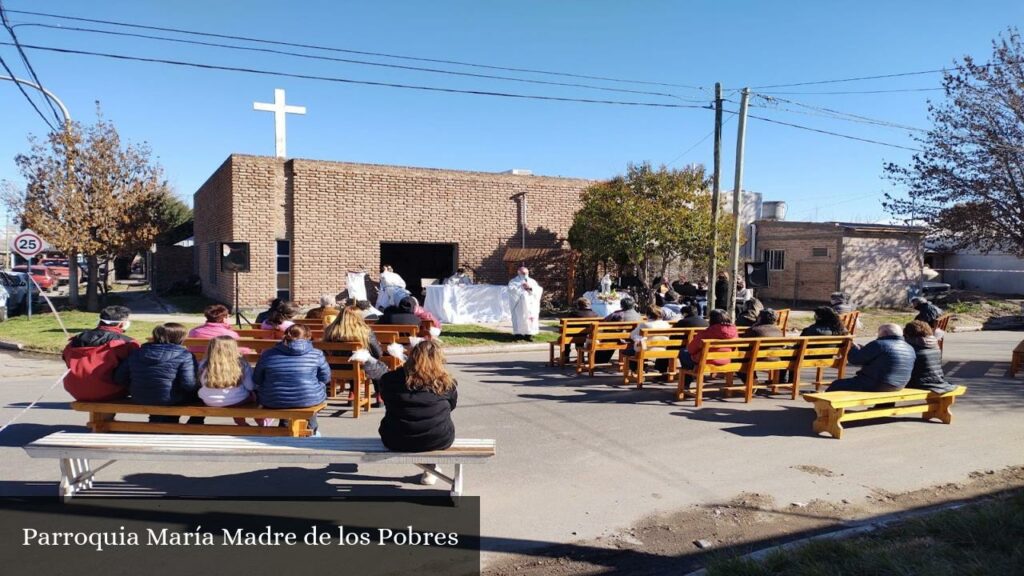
x: 28, y: 244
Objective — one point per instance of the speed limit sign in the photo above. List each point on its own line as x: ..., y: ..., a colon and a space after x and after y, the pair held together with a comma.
x: 28, y: 244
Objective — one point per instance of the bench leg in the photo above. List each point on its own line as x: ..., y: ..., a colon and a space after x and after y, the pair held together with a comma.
x: 639, y: 372
x: 833, y: 425
x: 76, y: 475
x: 457, y: 482
x: 941, y: 410
x: 699, y: 398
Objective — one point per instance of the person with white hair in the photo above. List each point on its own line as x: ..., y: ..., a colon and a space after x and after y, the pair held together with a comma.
x: 886, y: 363
x: 524, y: 300
x: 326, y: 308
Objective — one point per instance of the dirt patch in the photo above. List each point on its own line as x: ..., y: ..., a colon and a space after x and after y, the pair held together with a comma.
x: 815, y: 470
x: 668, y: 544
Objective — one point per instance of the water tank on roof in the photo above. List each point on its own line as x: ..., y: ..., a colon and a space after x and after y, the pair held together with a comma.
x: 773, y: 211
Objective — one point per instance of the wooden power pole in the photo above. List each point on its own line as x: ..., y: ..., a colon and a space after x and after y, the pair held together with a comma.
x: 716, y: 197
x: 737, y: 194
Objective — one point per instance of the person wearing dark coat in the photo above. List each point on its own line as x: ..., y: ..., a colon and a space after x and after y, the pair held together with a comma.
x: 582, y: 310
x: 927, y: 374
x: 262, y: 316
x: 92, y: 357
x: 292, y: 374
x: 722, y: 296
x: 926, y: 311
x: 627, y: 313
x: 419, y: 398
x: 751, y: 310
x: 765, y: 326
x: 691, y: 318
x: 886, y: 363
x: 826, y: 323
x: 162, y: 372
x: 404, y: 313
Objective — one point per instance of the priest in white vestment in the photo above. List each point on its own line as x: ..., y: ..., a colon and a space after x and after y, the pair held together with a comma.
x: 392, y: 288
x: 524, y: 300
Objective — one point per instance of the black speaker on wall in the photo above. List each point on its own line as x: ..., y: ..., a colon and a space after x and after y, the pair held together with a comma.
x: 756, y: 274
x: 234, y: 256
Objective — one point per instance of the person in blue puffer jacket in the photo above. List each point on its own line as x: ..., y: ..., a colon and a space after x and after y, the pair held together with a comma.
x: 292, y: 374
x: 886, y: 363
x: 161, y: 372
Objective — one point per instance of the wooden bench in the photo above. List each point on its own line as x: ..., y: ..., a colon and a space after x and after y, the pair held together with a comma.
x: 102, y: 418
x: 345, y: 371
x: 570, y: 331
x: 1017, y: 360
x: 75, y: 450
x: 257, y: 333
x: 942, y: 323
x: 783, y: 320
x: 745, y: 356
x: 849, y: 321
x: 826, y: 352
x: 661, y: 344
x: 197, y: 346
x: 602, y: 336
x: 831, y: 407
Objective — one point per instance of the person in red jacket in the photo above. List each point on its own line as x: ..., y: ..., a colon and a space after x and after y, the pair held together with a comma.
x: 720, y: 328
x: 93, y: 355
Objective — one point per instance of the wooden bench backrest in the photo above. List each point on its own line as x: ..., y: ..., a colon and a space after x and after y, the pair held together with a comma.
x: 256, y: 333
x: 778, y: 353
x: 826, y: 351
x: 783, y: 320
x: 733, y: 353
x: 338, y: 355
x: 309, y: 322
x: 942, y: 323
x: 666, y: 342
x: 404, y: 330
x: 609, y: 335
x: 849, y: 321
x: 570, y: 329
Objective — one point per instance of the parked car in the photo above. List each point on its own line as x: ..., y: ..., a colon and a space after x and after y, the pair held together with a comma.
x: 59, y: 267
x: 17, y: 291
x: 43, y: 276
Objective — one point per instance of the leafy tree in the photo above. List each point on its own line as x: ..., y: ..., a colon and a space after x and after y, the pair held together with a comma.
x: 89, y: 195
x: 648, y: 213
x: 967, y: 182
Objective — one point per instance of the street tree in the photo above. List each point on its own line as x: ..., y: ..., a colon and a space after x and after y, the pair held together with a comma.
x: 967, y: 182
x: 88, y: 194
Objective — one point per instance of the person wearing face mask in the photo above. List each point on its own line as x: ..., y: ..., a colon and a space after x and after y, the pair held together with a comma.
x: 524, y: 298
x: 93, y: 356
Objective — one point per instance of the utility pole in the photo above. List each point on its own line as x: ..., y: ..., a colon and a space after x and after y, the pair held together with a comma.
x: 716, y: 197
x: 737, y: 192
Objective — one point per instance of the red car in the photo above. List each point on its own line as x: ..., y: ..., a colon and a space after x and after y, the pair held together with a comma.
x: 43, y: 276
x: 59, y: 267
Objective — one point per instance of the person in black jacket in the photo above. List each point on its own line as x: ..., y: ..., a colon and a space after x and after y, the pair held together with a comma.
x: 926, y: 311
x: 765, y: 326
x: 403, y: 313
x: 691, y: 318
x: 418, y: 399
x: 162, y: 372
x: 927, y: 374
x: 826, y: 323
x: 722, y: 296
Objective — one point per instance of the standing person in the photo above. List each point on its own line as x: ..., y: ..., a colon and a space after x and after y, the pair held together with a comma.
x: 292, y: 374
x: 927, y: 373
x: 281, y: 318
x: 886, y: 363
x: 225, y: 378
x: 719, y: 328
x: 262, y: 316
x: 392, y: 288
x: 418, y: 399
x: 723, y: 300
x: 326, y: 307
x: 926, y: 311
x: 524, y: 297
x: 93, y: 356
x: 161, y: 372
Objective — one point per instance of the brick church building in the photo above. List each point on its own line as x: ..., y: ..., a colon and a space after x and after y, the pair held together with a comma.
x: 308, y: 222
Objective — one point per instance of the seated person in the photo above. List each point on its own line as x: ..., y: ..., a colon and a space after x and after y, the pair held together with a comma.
x: 425, y: 316
x: 460, y: 278
x: 826, y: 323
x: 326, y: 307
x: 349, y: 326
x: 281, y: 318
x: 404, y: 313
x: 750, y: 310
x: 161, y: 372
x: 292, y: 374
x: 653, y: 320
x: 719, y: 328
x: 93, y: 356
x: 262, y: 316
x: 927, y: 374
x: 627, y: 313
x: 691, y: 318
x: 673, y: 309
x: 583, y: 309
x: 840, y: 302
x: 225, y: 377
x: 886, y: 363
x: 418, y: 399
x: 217, y: 323
x: 926, y: 312
x: 367, y: 311
x: 765, y: 326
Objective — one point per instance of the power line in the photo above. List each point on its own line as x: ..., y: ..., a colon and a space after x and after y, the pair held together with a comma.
x: 24, y: 92
x: 857, y: 79
x: 28, y: 64
x: 350, y: 61
x: 697, y: 143
x: 351, y: 81
x: 360, y: 52
x: 832, y: 113
x: 847, y: 136
x: 844, y: 92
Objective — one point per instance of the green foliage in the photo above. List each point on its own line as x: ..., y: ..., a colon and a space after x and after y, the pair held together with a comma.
x: 172, y: 212
x: 646, y: 213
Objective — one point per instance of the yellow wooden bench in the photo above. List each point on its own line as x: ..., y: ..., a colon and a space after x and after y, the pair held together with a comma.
x: 783, y: 320
x: 570, y: 331
x: 663, y: 343
x: 602, y: 336
x: 826, y: 352
x: 1017, y: 360
x: 745, y: 356
x: 849, y: 321
x: 346, y: 372
x: 102, y: 418
x: 831, y: 407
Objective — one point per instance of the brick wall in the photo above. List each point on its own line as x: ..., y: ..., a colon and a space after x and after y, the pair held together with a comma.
x: 804, y: 277
x: 337, y: 214
x: 877, y: 268
x: 171, y: 264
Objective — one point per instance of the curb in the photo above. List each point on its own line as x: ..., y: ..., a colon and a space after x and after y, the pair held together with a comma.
x: 11, y: 346
x: 494, y: 349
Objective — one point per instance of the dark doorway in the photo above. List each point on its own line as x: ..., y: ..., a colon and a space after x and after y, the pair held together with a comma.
x: 416, y: 261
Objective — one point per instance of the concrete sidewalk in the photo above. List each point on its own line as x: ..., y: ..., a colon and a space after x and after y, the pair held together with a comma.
x: 584, y: 457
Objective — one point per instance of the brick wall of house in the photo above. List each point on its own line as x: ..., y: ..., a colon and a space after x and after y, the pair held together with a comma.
x: 171, y: 264
x: 337, y: 214
x: 804, y: 277
x: 878, y: 268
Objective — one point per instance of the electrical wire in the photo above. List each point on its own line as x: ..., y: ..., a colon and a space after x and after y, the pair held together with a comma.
x: 24, y: 92
x: 846, y: 92
x: 360, y: 52
x: 821, y: 111
x: 697, y: 143
x: 349, y: 60
x: 351, y: 81
x: 837, y: 134
x: 28, y: 64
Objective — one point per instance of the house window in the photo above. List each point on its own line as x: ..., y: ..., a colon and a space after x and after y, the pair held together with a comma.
x: 284, y: 269
x: 819, y: 252
x: 776, y: 259
x: 213, y: 260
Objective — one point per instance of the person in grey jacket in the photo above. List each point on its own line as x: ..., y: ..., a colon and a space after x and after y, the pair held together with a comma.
x: 886, y: 363
x: 927, y: 374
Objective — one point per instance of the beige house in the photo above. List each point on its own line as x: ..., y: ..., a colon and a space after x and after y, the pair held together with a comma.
x: 807, y: 261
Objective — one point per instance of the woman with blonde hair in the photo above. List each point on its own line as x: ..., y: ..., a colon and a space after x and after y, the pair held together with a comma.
x: 419, y: 398
x: 349, y: 326
x: 225, y: 377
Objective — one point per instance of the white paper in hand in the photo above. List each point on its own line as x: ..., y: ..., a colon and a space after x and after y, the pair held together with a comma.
x: 435, y: 331
x: 414, y: 341
x: 395, y: 349
x: 360, y: 355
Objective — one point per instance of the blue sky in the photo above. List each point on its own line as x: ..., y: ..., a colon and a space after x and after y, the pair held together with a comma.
x: 194, y: 119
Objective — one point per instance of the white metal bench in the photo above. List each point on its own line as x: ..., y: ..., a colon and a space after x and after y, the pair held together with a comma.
x: 74, y: 450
